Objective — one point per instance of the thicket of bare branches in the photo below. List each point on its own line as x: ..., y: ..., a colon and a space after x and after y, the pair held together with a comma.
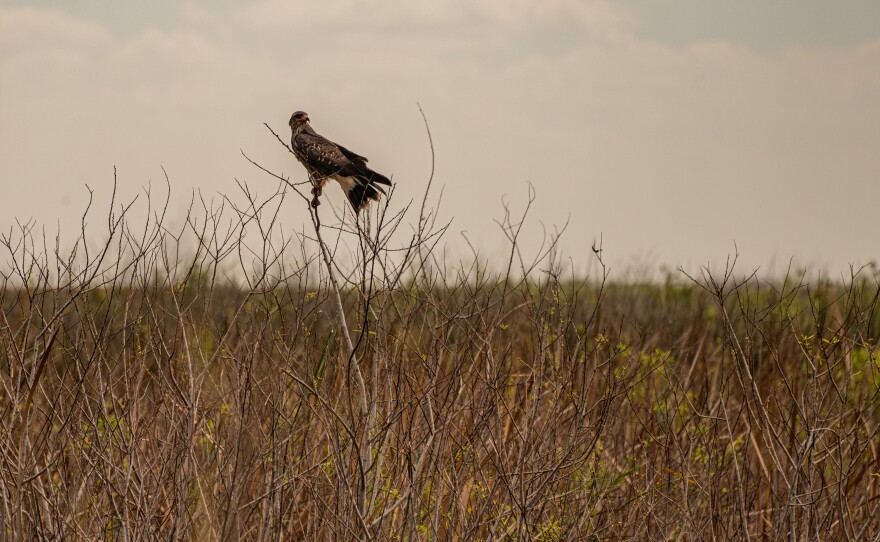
x: 232, y: 379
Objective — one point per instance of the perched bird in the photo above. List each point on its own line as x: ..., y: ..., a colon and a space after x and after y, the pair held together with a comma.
x: 324, y: 160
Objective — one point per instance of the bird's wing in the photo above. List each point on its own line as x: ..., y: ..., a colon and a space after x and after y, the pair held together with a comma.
x: 322, y: 155
x: 351, y: 155
x: 325, y: 159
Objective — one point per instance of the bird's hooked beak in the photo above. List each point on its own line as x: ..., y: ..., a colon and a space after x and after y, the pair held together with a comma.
x: 299, y: 118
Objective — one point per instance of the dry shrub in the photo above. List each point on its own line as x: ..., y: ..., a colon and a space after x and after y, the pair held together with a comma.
x: 150, y: 392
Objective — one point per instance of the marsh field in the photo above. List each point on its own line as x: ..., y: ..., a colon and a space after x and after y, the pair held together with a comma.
x: 232, y: 379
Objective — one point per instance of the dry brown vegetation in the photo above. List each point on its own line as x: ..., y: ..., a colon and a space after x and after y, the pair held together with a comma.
x: 149, y: 392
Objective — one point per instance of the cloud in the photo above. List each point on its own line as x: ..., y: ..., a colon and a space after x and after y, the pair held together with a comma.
x: 598, y: 17
x: 678, y: 148
x: 31, y: 28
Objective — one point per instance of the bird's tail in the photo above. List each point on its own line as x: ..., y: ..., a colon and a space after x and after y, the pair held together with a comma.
x: 367, y: 187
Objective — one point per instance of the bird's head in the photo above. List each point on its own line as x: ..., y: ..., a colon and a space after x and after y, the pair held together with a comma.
x: 298, y: 119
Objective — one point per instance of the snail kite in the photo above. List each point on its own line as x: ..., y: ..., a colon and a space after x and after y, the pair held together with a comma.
x: 324, y: 160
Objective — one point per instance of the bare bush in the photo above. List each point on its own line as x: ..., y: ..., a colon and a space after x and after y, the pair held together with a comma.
x: 232, y: 379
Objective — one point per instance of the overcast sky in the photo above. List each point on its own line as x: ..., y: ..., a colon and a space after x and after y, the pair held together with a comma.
x: 673, y: 128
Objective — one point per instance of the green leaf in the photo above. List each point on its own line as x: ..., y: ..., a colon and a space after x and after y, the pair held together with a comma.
x: 318, y: 373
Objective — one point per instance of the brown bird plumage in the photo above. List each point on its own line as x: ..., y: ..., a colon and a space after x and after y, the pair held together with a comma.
x: 324, y: 160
